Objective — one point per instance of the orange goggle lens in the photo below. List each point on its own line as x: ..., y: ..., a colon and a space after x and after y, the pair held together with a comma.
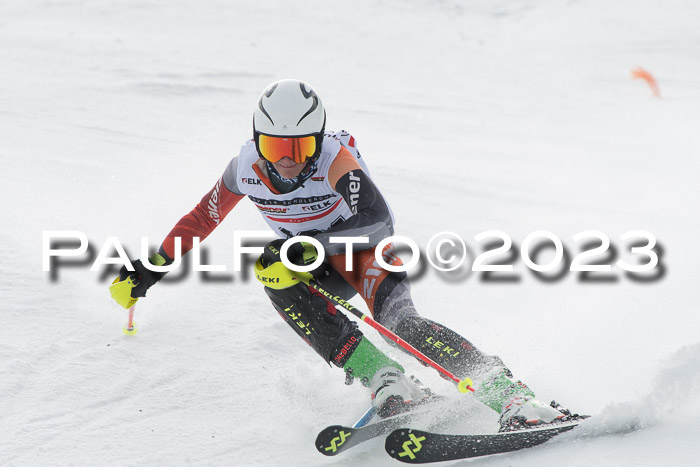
x: 274, y: 148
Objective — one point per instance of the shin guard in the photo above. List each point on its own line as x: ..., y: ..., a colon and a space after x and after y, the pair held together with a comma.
x: 446, y: 348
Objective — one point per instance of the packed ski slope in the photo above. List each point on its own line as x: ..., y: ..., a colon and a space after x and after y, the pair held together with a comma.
x: 116, y: 117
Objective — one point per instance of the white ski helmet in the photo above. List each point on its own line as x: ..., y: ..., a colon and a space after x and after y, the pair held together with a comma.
x: 289, y: 121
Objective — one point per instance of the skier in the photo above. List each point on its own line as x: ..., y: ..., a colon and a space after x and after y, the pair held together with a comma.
x: 306, y: 181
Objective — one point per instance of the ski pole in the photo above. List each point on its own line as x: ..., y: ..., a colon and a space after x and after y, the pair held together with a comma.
x: 462, y: 385
x: 121, y: 293
x: 130, y: 326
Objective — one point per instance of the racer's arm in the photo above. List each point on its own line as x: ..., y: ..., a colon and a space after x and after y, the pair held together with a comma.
x: 199, y: 222
x: 206, y: 215
x: 371, y: 219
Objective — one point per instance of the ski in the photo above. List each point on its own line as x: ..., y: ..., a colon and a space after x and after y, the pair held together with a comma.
x: 419, y: 447
x: 337, y: 438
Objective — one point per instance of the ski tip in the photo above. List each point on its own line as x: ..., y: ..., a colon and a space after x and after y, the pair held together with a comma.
x: 405, y: 444
x: 330, y: 441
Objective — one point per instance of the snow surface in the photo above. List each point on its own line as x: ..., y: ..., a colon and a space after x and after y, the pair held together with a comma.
x: 117, y: 116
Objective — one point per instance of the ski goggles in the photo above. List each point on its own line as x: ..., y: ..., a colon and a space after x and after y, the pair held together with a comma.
x: 275, y: 148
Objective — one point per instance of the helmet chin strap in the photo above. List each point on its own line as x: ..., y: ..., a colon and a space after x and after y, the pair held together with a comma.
x: 287, y: 185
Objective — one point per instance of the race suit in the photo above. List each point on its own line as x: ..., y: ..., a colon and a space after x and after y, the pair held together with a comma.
x: 337, y: 199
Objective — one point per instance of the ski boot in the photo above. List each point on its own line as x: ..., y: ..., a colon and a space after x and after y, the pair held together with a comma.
x: 527, y: 412
x: 516, y: 403
x: 394, y: 393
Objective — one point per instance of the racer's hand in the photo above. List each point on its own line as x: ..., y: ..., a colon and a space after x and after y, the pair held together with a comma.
x: 299, y: 253
x: 144, y: 278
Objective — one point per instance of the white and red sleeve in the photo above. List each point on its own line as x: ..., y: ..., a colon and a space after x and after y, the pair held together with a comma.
x: 203, y: 219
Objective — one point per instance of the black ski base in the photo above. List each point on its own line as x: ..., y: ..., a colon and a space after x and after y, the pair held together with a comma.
x: 419, y: 447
